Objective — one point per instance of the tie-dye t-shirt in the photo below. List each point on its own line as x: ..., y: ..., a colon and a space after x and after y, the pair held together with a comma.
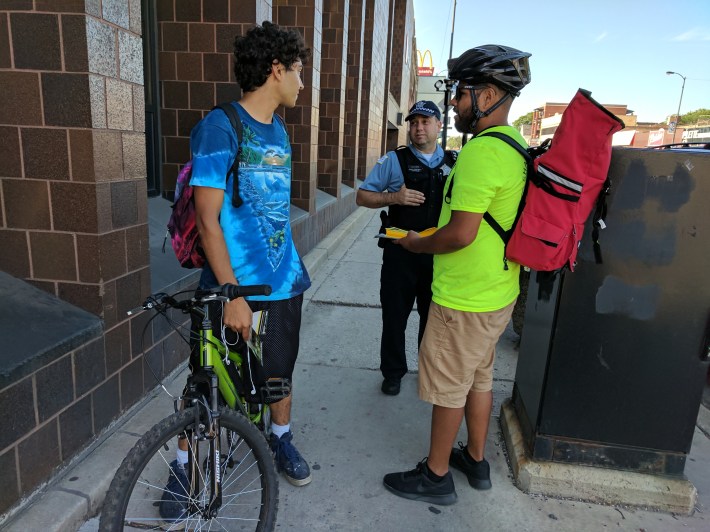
x: 257, y: 234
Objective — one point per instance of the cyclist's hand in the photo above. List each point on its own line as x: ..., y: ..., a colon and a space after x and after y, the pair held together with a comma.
x: 238, y: 317
x: 409, y: 242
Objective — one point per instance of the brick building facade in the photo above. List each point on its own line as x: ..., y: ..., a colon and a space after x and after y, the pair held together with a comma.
x: 99, y: 99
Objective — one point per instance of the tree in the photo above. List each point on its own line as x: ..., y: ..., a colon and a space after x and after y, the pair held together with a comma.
x: 692, y: 117
x: 525, y: 119
x: 453, y: 143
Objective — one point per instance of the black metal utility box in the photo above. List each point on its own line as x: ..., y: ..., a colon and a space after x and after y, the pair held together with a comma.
x: 613, y: 356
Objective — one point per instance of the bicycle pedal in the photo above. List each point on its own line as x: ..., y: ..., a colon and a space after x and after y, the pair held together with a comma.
x: 274, y: 390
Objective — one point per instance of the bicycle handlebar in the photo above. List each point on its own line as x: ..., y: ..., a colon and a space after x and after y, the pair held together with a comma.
x: 233, y: 291
x: 228, y: 291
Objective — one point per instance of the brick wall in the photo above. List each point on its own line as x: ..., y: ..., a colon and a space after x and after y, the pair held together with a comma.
x: 196, y: 47
x: 74, y: 193
x: 332, y: 90
x: 353, y: 93
x: 374, y: 96
x: 303, y: 120
x: 403, y: 78
x: 73, y: 208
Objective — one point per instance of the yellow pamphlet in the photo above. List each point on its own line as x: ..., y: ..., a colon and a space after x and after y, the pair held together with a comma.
x: 396, y: 232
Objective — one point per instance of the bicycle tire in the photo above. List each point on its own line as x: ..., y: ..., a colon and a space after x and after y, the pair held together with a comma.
x: 132, y: 501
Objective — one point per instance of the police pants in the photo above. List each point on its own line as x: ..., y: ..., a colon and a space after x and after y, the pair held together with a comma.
x: 405, y: 277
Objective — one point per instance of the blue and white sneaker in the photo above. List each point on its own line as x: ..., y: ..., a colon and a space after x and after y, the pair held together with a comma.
x: 289, y: 460
x: 173, y: 504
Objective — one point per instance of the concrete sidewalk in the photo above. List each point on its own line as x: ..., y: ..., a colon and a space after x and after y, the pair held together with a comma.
x: 352, y: 434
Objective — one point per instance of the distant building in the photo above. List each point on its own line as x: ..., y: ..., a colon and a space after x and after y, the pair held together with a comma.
x: 635, y: 134
x: 696, y: 134
x: 546, y: 119
x: 526, y: 131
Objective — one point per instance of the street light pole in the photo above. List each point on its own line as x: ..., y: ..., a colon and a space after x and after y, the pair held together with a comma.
x: 677, y: 122
x: 447, y: 91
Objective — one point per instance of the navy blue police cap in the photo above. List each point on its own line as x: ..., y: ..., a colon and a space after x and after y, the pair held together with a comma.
x: 424, y: 108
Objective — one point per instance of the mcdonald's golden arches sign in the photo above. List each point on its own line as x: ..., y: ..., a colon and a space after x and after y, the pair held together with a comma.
x: 425, y: 70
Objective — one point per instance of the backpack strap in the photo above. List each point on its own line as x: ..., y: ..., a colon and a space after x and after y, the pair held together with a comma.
x: 281, y: 121
x: 598, y: 220
x: 502, y: 233
x: 401, y: 153
x: 236, y: 122
x: 512, y: 143
x: 505, y: 235
x: 453, y: 154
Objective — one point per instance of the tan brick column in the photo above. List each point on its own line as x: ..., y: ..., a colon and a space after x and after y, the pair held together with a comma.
x: 332, y: 102
x: 353, y: 93
x: 74, y: 201
x: 373, y: 85
x: 303, y: 120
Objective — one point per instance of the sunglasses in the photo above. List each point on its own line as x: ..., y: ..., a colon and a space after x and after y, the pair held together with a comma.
x: 457, y: 89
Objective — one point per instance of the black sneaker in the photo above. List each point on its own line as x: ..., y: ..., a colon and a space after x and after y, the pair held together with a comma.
x: 478, y: 473
x: 417, y: 486
x: 390, y: 387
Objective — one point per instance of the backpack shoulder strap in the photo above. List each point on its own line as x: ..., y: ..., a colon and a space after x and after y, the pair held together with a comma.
x: 510, y: 142
x: 505, y: 235
x: 234, y: 119
x: 281, y: 121
x: 236, y: 123
x: 401, y: 153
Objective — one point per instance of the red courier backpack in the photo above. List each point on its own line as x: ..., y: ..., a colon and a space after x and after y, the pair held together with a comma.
x: 182, y: 226
x: 565, y: 180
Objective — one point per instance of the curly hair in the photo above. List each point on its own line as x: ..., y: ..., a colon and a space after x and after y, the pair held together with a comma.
x: 255, y: 52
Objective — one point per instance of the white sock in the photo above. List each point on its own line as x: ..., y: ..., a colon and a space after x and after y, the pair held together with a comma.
x: 181, y: 456
x: 280, y: 430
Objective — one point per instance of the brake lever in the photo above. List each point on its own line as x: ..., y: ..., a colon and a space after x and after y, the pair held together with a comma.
x: 153, y: 301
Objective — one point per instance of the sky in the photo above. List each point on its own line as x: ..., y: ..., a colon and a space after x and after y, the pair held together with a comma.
x: 619, y: 50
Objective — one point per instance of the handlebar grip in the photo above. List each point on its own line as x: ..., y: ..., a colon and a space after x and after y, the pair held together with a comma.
x: 233, y: 291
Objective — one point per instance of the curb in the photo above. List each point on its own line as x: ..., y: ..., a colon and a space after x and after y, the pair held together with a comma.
x: 592, y: 484
x: 703, y: 422
x: 318, y: 256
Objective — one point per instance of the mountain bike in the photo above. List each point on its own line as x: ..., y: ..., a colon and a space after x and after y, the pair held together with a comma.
x: 229, y: 480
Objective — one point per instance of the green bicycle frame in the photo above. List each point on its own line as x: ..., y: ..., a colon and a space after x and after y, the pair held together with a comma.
x: 213, y: 353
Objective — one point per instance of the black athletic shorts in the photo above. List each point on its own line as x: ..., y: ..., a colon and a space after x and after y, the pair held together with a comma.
x: 280, y: 340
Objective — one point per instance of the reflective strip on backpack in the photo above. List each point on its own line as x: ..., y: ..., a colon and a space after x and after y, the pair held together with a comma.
x: 559, y: 179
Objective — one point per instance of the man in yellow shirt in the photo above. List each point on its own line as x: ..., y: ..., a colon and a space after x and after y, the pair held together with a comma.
x: 473, y: 295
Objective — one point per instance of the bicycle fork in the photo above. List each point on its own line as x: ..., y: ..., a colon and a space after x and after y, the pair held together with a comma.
x: 215, y: 449
x: 206, y: 427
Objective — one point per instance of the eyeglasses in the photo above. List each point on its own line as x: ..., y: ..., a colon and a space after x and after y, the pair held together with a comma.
x: 457, y: 89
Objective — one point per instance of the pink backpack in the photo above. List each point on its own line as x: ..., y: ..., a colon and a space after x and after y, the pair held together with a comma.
x: 182, y: 226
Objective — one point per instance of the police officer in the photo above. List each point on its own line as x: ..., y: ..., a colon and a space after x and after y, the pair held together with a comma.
x: 410, y: 182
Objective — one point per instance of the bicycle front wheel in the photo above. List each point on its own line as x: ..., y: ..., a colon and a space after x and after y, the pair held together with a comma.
x: 146, y: 487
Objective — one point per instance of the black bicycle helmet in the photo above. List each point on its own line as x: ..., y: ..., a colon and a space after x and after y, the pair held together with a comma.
x: 503, y: 66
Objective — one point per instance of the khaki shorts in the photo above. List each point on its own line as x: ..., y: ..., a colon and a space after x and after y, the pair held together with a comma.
x: 457, y: 352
